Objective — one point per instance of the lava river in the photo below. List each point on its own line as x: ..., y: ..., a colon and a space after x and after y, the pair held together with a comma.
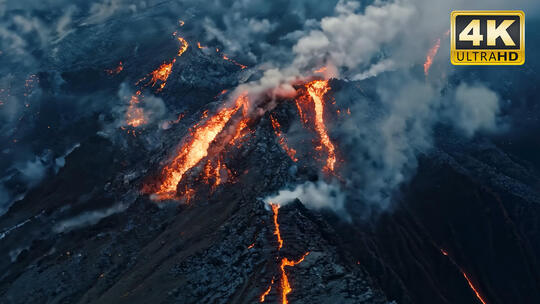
x: 285, y: 262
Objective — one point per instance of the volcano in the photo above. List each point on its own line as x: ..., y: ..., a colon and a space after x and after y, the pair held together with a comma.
x: 166, y: 197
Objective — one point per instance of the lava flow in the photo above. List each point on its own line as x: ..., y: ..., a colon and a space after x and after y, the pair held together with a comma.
x: 285, y: 285
x: 275, y: 210
x: 316, y: 89
x: 212, y: 175
x: 282, y: 141
x: 267, y: 291
x: 163, y: 72
x: 195, y: 149
x: 135, y: 115
x: 284, y: 281
x: 471, y: 285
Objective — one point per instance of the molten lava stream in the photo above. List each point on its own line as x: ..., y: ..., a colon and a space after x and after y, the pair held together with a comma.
x: 284, y: 281
x: 316, y: 89
x: 195, y: 149
x: 275, y: 210
x: 466, y: 276
x: 267, y: 291
x: 285, y: 285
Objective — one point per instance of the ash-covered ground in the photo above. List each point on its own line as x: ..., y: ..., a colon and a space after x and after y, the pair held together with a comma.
x: 411, y: 181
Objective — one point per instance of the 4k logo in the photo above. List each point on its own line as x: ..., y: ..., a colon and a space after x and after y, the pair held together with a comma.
x: 487, y: 37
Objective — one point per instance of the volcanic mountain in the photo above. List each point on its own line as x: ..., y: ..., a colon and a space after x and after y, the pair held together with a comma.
x: 147, y: 210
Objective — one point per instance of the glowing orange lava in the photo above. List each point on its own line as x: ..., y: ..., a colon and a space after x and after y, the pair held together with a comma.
x: 239, y: 134
x: 284, y: 281
x: 163, y: 72
x: 212, y: 174
x: 285, y: 285
x: 466, y: 276
x: 316, y: 89
x: 275, y: 210
x: 183, y: 47
x: 267, y: 291
x: 277, y: 130
x: 430, y: 55
x: 200, y: 46
x: 195, y: 149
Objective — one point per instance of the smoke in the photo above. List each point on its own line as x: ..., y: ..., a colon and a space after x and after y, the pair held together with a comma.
x: 476, y: 109
x: 60, y: 161
x: 152, y: 107
x: 26, y: 174
x: 351, y: 39
x: 33, y: 171
x: 375, y: 69
x: 88, y: 218
x: 319, y: 195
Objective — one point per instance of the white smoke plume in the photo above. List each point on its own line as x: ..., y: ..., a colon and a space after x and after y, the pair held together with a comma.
x: 476, y: 109
x: 88, y: 218
x: 319, y: 195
